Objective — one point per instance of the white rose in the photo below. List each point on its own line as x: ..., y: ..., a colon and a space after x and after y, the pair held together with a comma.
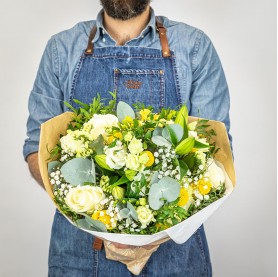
x: 100, y: 122
x: 132, y: 162
x: 128, y: 136
x: 135, y: 146
x: 201, y: 156
x: 145, y: 215
x: 192, y: 126
x: 192, y: 134
x: 115, y: 156
x: 69, y: 144
x: 215, y: 174
x: 82, y: 199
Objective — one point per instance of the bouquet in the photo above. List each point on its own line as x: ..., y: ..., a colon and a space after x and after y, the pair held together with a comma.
x: 119, y: 172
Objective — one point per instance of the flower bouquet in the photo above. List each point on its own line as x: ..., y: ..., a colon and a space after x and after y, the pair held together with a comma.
x: 135, y: 176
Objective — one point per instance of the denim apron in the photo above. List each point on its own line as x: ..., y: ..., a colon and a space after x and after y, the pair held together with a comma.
x: 137, y: 74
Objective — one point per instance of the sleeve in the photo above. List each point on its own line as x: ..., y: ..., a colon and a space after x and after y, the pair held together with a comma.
x: 46, y: 97
x: 209, y: 96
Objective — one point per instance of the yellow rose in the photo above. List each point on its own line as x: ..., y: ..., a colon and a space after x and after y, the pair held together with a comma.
x: 82, y: 199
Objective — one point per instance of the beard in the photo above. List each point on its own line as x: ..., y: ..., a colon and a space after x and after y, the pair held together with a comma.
x: 124, y: 9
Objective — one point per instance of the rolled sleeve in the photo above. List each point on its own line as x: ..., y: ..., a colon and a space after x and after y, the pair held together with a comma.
x: 209, y: 92
x: 46, y: 97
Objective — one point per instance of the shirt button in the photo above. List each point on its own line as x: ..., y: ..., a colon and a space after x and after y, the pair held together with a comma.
x: 103, y: 39
x: 142, y: 36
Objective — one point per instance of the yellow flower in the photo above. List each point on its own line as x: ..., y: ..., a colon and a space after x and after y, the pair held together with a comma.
x: 128, y: 121
x: 118, y: 135
x: 103, y: 217
x: 156, y: 116
x: 171, y: 114
x: 204, y: 187
x: 144, y: 114
x: 184, y: 197
x: 150, y: 158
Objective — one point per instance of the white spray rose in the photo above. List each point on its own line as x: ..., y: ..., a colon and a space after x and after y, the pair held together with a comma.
x: 70, y: 144
x: 100, y: 122
x: 132, y: 162
x: 215, y: 174
x: 145, y: 215
x: 135, y: 146
x: 84, y: 198
x: 192, y: 134
x: 115, y: 156
x: 192, y: 126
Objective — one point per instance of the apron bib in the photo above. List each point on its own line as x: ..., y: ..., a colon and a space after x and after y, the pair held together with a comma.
x: 137, y: 74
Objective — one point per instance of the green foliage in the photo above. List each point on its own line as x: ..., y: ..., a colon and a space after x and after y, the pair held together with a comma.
x: 129, y: 212
x: 170, y: 214
x: 124, y: 110
x: 165, y: 189
x: 90, y: 224
x: 185, y: 146
x: 79, y: 170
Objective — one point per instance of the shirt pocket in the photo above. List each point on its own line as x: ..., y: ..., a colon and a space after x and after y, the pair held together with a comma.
x: 140, y: 85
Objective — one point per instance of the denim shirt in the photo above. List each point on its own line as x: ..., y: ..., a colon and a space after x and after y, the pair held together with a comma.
x: 201, y: 78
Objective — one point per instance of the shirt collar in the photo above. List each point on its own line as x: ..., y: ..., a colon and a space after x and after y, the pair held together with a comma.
x: 100, y: 28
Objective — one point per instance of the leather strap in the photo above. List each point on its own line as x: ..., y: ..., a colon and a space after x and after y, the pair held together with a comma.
x: 90, y: 46
x: 162, y: 36
x: 97, y: 245
x: 163, y: 39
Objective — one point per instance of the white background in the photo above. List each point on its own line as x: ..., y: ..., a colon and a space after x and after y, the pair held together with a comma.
x: 241, y: 233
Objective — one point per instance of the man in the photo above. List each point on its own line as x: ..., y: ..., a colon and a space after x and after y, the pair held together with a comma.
x: 176, y: 64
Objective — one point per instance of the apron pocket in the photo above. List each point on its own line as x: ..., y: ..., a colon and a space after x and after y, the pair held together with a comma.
x: 137, y: 85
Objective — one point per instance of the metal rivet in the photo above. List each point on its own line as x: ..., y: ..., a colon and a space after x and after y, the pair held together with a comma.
x: 162, y: 33
x: 116, y: 70
x: 161, y: 71
x: 166, y: 52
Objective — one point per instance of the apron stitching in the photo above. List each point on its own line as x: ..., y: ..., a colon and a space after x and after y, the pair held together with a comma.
x: 95, y: 266
x: 75, y: 77
x: 199, y: 239
x: 175, y: 72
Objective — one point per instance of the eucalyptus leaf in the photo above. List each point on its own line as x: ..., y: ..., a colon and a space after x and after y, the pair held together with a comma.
x: 123, y: 110
x: 173, y: 133
x: 78, y: 171
x: 124, y: 213
x: 52, y: 166
x: 161, y: 141
x: 167, y: 188
x: 132, y: 211
x: 154, y: 178
x: 157, y: 131
x: 98, y: 145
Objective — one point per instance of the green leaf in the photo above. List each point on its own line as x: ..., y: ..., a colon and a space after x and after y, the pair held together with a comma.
x: 98, y: 145
x: 123, y: 110
x: 157, y: 131
x: 130, y: 174
x: 101, y: 161
x: 122, y: 180
x: 52, y: 166
x: 167, y: 188
x: 185, y: 146
x: 78, y: 171
x: 91, y: 224
x: 200, y: 145
x: 85, y: 106
x: 161, y: 141
x: 173, y: 133
x: 124, y: 213
x: 132, y: 211
x: 183, y: 168
x: 70, y: 107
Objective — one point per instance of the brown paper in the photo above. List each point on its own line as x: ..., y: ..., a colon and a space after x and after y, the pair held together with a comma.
x: 134, y: 257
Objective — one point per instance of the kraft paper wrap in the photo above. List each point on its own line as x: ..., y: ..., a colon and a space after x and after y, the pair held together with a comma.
x: 141, y: 246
